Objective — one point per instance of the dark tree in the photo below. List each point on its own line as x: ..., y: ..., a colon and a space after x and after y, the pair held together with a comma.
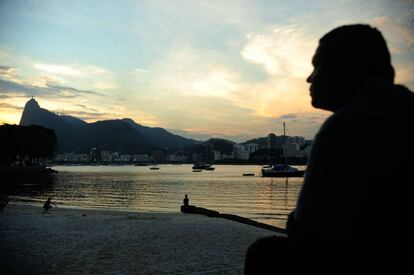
x: 28, y: 145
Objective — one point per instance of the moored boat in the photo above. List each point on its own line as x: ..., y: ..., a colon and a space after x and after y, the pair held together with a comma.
x: 282, y: 171
x: 203, y: 166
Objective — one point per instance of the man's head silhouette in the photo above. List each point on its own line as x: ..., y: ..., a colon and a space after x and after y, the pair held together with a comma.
x: 350, y: 60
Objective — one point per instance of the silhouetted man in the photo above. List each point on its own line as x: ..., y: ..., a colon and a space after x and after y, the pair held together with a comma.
x: 48, y: 204
x: 353, y: 208
x: 185, y: 200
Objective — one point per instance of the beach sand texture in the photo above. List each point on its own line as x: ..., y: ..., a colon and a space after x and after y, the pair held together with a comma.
x: 73, y: 241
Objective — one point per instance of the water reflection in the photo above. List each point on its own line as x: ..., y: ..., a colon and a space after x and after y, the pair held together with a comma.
x: 267, y: 200
x: 28, y: 187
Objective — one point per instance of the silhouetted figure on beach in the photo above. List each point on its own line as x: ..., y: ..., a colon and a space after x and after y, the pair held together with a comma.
x: 48, y: 204
x: 354, y: 206
x: 185, y: 208
x: 185, y: 200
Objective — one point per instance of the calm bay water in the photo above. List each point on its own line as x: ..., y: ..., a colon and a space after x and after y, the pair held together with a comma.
x: 137, y: 188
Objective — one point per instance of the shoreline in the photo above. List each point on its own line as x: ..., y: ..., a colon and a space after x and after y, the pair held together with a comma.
x: 200, y: 211
x: 69, y: 241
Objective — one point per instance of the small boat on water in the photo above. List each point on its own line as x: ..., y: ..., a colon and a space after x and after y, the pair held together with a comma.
x: 154, y: 168
x: 203, y: 166
x: 141, y: 164
x: 248, y: 174
x: 282, y: 171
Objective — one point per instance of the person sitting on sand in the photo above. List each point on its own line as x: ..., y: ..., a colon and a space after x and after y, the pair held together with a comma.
x: 48, y: 204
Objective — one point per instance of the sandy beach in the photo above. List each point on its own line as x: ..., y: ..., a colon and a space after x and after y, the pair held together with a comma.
x: 73, y: 241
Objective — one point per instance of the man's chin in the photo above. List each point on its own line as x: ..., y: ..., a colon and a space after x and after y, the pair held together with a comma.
x: 315, y: 103
x: 321, y: 105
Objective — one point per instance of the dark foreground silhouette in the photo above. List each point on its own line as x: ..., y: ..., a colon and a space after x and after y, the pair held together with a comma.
x: 354, y: 206
x: 4, y: 201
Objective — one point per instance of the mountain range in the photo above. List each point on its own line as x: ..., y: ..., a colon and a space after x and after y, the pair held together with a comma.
x: 118, y: 135
x: 123, y: 135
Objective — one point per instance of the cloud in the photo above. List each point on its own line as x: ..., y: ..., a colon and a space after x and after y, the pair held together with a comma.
x: 380, y: 21
x: 7, y: 72
x: 86, y: 115
x: 399, y: 30
x: 191, y: 72
x: 138, y: 72
x: 104, y: 85
x: 282, y: 51
x: 85, y: 76
x: 404, y: 75
x: 8, y: 106
x: 58, y: 89
x: 49, y: 90
x: 299, y: 124
x: 288, y: 116
x: 71, y: 70
x: 203, y: 92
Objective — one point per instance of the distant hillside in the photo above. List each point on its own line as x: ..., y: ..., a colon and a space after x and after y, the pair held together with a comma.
x: 159, y: 136
x: 125, y: 135
x: 76, y: 135
x: 222, y: 145
x: 110, y: 135
x: 74, y: 121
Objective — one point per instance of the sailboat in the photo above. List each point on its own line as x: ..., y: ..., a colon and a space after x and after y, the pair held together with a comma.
x: 282, y: 170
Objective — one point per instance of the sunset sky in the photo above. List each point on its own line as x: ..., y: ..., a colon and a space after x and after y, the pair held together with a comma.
x: 229, y: 69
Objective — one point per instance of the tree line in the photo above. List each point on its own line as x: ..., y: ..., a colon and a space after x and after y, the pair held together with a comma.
x: 26, y: 145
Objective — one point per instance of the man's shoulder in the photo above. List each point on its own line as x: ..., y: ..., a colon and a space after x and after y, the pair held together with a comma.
x: 337, y: 122
x: 403, y: 94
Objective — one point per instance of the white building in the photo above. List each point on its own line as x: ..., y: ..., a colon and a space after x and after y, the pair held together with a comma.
x: 291, y: 149
x: 125, y: 157
x: 141, y: 157
x: 306, y: 151
x: 175, y: 158
x: 216, y: 155
x: 227, y: 156
x: 106, y: 156
x: 82, y: 158
x: 299, y: 140
x: 243, y: 151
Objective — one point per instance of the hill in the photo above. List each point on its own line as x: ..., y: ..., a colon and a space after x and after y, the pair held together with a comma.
x: 76, y: 135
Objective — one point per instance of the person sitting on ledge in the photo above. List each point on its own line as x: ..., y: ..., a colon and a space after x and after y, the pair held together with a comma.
x: 186, y: 200
x: 185, y: 208
x: 48, y: 204
x: 353, y: 211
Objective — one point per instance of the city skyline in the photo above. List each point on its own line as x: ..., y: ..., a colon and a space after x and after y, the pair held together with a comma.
x: 200, y: 69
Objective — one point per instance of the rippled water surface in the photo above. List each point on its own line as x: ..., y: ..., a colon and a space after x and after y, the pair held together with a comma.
x: 267, y: 200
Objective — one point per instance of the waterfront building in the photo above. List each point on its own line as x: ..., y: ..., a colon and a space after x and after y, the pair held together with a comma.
x: 271, y: 141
